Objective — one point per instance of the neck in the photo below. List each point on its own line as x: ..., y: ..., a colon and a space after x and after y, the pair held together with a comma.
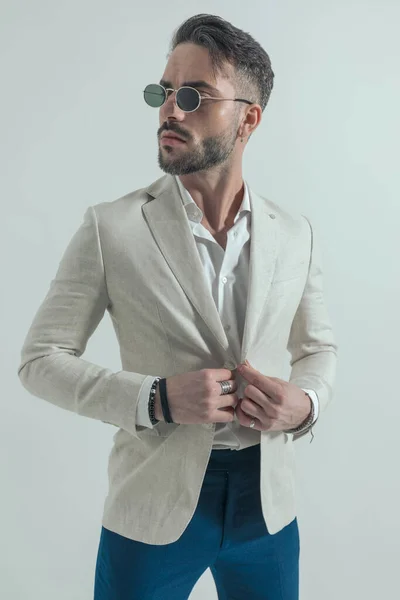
x: 219, y: 196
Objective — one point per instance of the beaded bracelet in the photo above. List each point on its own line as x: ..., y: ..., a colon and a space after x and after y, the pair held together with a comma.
x: 152, y: 399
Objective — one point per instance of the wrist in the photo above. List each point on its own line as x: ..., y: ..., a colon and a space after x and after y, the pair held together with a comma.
x: 157, y: 406
x: 308, y: 421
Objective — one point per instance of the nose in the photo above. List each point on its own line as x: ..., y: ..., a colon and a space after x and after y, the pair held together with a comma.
x: 170, y: 109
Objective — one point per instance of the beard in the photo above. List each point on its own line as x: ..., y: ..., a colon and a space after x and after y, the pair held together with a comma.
x: 209, y: 153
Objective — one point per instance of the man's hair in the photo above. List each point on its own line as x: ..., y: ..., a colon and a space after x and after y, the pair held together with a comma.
x: 253, y: 78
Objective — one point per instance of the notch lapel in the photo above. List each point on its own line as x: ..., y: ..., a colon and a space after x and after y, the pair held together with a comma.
x: 167, y: 220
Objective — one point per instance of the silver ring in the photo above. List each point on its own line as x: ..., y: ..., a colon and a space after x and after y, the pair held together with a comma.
x: 226, y: 387
x: 252, y: 423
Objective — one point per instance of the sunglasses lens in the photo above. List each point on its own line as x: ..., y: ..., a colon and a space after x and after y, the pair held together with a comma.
x: 188, y: 99
x: 154, y: 95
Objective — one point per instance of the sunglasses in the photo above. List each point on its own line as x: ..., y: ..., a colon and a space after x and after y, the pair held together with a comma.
x: 187, y: 98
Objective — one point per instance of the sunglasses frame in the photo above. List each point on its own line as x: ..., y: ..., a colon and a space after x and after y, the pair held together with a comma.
x: 198, y: 93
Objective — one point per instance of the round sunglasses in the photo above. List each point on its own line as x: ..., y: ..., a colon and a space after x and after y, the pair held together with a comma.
x: 187, y: 98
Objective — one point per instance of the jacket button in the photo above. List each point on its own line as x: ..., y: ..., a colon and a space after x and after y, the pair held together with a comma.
x: 230, y: 365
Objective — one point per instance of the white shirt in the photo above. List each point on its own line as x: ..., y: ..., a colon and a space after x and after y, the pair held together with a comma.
x: 226, y: 272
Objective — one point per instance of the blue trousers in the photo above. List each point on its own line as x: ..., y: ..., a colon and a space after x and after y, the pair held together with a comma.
x: 226, y: 534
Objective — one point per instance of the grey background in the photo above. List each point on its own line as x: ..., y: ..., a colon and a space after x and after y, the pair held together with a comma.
x: 75, y: 131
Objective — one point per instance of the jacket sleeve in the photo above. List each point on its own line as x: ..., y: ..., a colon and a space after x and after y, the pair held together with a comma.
x: 51, y: 366
x: 311, y: 342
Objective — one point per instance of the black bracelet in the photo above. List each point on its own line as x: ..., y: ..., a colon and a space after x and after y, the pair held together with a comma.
x: 164, y: 400
x: 152, y: 399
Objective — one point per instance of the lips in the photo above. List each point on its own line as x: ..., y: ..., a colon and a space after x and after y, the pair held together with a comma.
x: 172, y: 136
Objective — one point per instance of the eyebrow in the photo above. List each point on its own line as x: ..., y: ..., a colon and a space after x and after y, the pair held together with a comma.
x: 196, y: 84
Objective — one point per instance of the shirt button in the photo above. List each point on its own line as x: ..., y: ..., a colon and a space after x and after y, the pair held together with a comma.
x: 227, y: 327
x: 224, y: 280
x: 234, y: 233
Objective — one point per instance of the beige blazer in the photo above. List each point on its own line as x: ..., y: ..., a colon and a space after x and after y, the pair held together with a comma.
x: 137, y: 259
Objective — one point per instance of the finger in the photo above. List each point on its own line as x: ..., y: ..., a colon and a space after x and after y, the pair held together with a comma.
x: 268, y: 385
x: 252, y: 410
x: 260, y: 405
x: 228, y: 400
x: 258, y: 397
x: 245, y: 419
x: 223, y: 374
x: 223, y: 415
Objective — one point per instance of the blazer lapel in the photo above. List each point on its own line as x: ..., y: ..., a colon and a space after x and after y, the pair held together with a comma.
x: 264, y: 246
x: 167, y: 219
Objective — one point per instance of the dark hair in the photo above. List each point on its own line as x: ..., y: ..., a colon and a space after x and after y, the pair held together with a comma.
x: 254, y: 77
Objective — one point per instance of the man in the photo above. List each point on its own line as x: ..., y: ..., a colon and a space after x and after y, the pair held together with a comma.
x: 199, y: 275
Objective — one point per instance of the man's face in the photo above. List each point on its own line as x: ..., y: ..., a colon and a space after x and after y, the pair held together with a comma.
x: 210, y: 132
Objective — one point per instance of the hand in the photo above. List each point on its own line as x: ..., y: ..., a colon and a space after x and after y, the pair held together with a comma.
x: 275, y: 404
x: 195, y: 397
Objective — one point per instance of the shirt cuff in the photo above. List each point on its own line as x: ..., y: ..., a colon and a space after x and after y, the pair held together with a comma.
x: 315, y: 402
